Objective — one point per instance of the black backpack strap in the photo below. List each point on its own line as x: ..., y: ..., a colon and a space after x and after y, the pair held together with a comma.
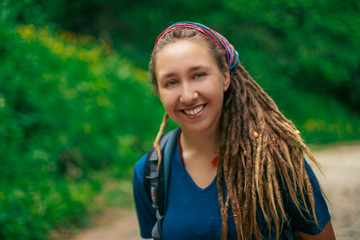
x: 155, y: 181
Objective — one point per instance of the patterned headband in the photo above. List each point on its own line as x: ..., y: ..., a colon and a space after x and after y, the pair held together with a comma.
x: 231, y: 54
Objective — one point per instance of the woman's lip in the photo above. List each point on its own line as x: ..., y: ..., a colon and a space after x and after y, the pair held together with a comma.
x: 192, y: 107
x: 194, y: 111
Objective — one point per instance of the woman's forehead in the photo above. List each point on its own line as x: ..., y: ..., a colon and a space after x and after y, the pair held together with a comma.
x: 181, y: 54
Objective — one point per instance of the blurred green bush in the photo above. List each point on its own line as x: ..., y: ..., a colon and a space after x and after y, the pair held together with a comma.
x: 69, y: 107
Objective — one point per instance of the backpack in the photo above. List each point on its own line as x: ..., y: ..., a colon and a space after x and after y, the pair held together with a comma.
x: 156, y: 181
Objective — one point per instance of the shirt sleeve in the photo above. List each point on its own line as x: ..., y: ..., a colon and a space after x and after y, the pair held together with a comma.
x: 145, y: 212
x: 305, y: 223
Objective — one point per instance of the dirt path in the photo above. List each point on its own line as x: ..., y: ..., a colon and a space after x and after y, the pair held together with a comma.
x: 340, y: 164
x: 112, y: 224
x: 341, y: 167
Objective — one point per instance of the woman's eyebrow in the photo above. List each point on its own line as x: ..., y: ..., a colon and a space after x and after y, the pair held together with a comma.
x: 167, y: 75
x: 197, y: 67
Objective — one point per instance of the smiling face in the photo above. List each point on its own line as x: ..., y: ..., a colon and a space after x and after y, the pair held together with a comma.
x: 190, y: 85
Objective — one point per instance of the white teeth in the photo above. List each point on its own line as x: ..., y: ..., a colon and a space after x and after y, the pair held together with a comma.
x: 194, y: 111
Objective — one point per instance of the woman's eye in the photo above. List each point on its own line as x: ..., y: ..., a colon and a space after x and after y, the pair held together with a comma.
x: 199, y: 75
x: 171, y: 83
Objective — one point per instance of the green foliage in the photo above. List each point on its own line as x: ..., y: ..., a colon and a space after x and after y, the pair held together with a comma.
x: 68, y: 107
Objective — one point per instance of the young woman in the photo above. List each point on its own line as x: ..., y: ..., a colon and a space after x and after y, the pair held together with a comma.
x: 238, y: 170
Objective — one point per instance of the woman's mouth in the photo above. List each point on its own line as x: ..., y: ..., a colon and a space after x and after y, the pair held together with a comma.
x: 194, y: 111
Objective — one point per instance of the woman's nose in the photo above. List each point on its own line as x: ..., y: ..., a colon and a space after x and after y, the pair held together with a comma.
x: 188, y: 94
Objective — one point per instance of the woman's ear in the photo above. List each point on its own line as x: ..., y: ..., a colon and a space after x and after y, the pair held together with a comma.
x: 226, y: 80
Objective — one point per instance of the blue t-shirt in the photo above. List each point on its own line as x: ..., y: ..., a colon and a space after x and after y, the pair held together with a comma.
x: 194, y: 213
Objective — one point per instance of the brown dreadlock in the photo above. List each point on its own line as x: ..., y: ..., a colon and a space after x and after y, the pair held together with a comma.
x: 261, y: 151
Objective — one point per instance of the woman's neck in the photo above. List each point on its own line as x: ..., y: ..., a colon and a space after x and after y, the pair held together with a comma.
x: 205, y: 142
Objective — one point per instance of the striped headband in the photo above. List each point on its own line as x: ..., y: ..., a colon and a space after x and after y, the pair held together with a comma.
x: 231, y: 54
